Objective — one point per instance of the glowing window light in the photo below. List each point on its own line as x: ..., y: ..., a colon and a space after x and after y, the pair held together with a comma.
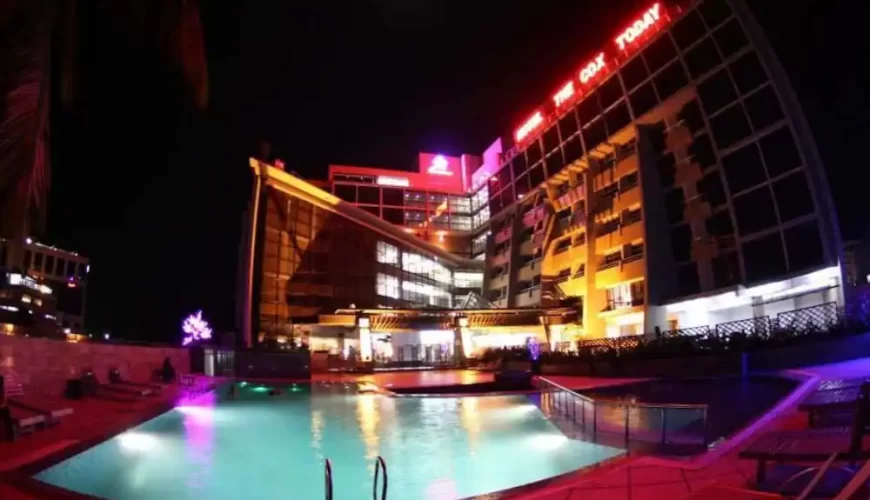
x: 387, y: 180
x: 592, y: 69
x: 638, y: 27
x: 565, y: 93
x: 195, y: 329
x: 527, y: 128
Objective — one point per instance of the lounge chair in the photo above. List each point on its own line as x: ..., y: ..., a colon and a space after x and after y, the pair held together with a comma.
x: 814, y: 445
x: 833, y: 402
x: 116, y: 380
x: 721, y: 492
x: 24, y: 420
x: 99, y: 389
x: 52, y: 410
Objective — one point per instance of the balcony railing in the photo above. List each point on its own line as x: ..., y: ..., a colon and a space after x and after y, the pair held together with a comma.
x: 608, y: 227
x: 609, y: 263
x: 615, y: 304
x: 628, y: 182
x: 631, y: 217
x: 633, y: 257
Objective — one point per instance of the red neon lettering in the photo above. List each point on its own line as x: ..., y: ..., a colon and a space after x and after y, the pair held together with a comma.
x: 638, y: 27
x: 531, y: 124
x: 592, y: 68
x: 564, y: 94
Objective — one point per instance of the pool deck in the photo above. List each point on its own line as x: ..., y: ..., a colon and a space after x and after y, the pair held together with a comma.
x: 632, y: 478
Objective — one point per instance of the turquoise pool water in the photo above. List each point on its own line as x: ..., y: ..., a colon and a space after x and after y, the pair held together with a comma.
x: 258, y: 446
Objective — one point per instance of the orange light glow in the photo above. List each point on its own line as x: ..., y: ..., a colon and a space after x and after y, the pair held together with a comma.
x: 564, y: 94
x: 531, y: 124
x: 592, y: 69
x: 638, y: 27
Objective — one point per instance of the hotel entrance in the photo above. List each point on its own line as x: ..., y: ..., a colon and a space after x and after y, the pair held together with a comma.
x: 414, y: 349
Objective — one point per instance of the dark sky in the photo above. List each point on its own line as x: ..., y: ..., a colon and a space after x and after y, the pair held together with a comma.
x: 153, y: 191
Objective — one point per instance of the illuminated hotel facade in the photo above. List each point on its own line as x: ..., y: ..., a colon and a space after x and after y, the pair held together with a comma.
x: 672, y: 182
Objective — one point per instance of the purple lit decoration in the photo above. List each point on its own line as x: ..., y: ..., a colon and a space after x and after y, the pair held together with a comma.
x: 534, y: 348
x: 195, y: 329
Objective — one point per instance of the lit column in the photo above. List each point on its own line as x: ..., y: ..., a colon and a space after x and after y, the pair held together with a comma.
x: 464, y: 336
x: 365, y: 338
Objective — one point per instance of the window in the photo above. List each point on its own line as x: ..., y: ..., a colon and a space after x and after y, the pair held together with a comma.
x: 717, y: 91
x: 659, y: 53
x: 719, y: 224
x: 533, y: 153
x: 388, y: 254
x: 688, y: 282
x: 681, y: 242
x: 467, y: 279
x: 414, y: 218
x: 628, y: 182
x: 550, y: 138
x: 27, y: 256
x: 568, y: 125
x: 83, y: 271
x: 625, y: 295
x: 804, y: 245
x: 580, y: 239
x: 634, y: 72
x: 594, y: 134
x: 387, y: 286
x: 460, y: 222
x: 730, y: 38
x: 764, y: 258
x: 369, y: 195
x: 458, y: 204
x: 630, y: 217
x: 729, y: 126
x: 61, y: 267
x: 562, y: 245
x: 563, y: 276
x: 393, y: 197
x: 522, y: 186
x: 617, y: 118
x: 589, y: 108
x: 609, y: 92
x: 711, y: 187
x: 49, y: 264
x: 714, y: 12
x: 743, y: 168
x: 346, y: 192
x: 554, y: 162
x: 71, y: 270
x: 690, y: 114
x: 747, y: 72
x: 688, y: 29
x: 670, y: 80
x: 415, y: 199
x: 726, y: 270
x: 643, y: 100
x: 780, y: 152
x: 573, y: 149
x: 37, y: 261
x: 754, y: 211
x: 763, y: 108
x: 675, y: 205
x: 519, y: 164
x: 701, y: 150
x: 793, y: 196
x: 702, y: 58
x: 667, y: 170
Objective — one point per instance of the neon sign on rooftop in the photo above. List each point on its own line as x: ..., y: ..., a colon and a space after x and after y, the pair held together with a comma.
x: 594, y: 70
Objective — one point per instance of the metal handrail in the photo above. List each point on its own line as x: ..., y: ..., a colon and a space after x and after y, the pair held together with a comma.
x: 328, y: 480
x: 379, y: 465
x: 570, y: 410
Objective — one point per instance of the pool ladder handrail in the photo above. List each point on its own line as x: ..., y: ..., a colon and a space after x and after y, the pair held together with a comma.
x: 380, y: 464
x: 328, y: 479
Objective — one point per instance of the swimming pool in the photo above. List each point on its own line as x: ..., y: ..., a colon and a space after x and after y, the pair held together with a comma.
x: 261, y: 446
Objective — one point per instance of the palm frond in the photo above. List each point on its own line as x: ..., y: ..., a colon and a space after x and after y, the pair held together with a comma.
x: 24, y: 117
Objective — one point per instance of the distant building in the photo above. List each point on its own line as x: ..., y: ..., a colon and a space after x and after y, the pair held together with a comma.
x: 45, y: 291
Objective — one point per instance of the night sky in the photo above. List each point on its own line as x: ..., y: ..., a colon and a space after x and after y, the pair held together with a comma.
x: 153, y: 191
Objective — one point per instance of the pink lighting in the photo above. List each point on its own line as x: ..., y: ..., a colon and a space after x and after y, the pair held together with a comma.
x: 195, y: 329
x: 638, y: 27
x: 439, y: 166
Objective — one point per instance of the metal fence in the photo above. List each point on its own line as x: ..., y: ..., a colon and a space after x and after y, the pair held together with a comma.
x: 672, y: 429
x: 799, y: 321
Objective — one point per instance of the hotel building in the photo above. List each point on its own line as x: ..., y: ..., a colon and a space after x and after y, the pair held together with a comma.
x: 44, y: 290
x: 671, y: 182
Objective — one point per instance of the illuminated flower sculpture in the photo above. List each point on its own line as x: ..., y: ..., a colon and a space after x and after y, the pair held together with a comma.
x: 195, y: 329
